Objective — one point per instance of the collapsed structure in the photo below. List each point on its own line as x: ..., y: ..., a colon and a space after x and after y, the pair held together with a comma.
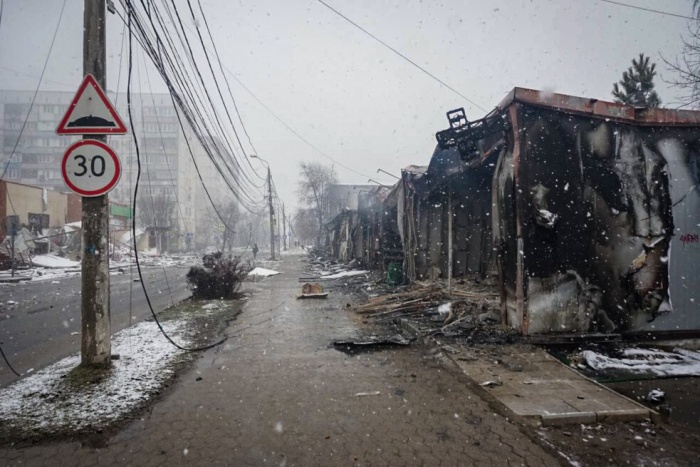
x: 587, y: 211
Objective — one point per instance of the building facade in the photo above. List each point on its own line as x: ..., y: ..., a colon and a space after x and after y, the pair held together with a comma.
x: 32, y: 152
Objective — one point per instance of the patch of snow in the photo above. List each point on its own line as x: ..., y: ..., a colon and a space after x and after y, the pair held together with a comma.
x: 680, y: 362
x: 50, y: 261
x: 445, y: 308
x: 345, y: 274
x: 43, y: 402
x: 570, y: 460
x: 43, y: 274
x: 263, y: 272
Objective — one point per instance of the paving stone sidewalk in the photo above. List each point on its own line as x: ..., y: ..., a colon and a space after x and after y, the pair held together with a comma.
x: 277, y: 393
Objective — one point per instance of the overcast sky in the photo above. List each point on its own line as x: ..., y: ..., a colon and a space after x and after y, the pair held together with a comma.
x: 356, y: 101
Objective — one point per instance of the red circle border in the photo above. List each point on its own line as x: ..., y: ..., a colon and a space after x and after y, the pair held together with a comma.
x: 117, y: 165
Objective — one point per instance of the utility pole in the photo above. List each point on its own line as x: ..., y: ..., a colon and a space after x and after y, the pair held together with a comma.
x: 279, y: 236
x: 284, y: 223
x: 272, y: 213
x: 13, y: 234
x: 95, y: 346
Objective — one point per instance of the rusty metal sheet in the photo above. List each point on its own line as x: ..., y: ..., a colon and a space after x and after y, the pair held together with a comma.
x: 604, y: 109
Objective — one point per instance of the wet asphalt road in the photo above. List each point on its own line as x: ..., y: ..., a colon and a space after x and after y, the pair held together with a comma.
x: 43, y: 324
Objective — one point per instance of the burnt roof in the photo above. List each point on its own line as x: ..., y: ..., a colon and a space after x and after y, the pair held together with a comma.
x: 602, y: 109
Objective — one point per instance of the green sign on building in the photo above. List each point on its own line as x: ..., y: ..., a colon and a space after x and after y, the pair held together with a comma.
x: 121, y: 211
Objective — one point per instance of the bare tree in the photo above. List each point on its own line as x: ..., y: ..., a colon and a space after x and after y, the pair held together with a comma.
x: 313, y: 191
x: 230, y: 216
x: 304, y: 225
x: 686, y: 68
x: 155, y: 211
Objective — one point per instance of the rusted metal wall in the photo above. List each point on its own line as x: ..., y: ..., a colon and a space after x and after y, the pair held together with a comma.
x: 585, y: 209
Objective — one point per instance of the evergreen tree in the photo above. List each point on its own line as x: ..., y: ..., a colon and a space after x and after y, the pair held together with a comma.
x: 637, y: 85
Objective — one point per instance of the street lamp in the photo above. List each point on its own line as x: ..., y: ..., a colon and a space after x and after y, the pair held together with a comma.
x: 272, y: 211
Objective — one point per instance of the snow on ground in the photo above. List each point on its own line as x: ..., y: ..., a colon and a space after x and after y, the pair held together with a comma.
x: 44, y: 402
x: 294, y: 251
x: 679, y: 362
x: 263, y: 272
x: 345, y: 274
x: 54, y: 271
x: 51, y: 261
x: 43, y: 274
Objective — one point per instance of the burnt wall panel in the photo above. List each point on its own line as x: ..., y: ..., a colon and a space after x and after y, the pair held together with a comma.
x: 504, y: 223
x: 422, y: 238
x: 461, y: 233
x: 598, y: 219
x: 682, y: 154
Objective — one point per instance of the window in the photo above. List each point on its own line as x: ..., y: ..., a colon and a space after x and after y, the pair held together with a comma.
x: 166, y: 111
x: 13, y: 174
x: 51, y: 109
x: 45, y: 158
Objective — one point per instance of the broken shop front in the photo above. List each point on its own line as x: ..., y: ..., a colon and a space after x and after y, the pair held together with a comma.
x: 445, y: 217
x: 354, y: 234
x: 344, y: 239
x: 596, y: 216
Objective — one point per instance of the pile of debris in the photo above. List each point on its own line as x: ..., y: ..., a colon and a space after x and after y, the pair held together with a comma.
x: 320, y: 269
x: 432, y: 310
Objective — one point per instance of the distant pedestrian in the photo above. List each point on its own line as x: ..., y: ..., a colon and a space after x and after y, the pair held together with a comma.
x: 255, y: 250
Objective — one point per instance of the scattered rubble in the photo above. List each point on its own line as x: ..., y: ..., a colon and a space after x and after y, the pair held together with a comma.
x: 433, y: 310
x: 656, y: 396
x: 368, y: 343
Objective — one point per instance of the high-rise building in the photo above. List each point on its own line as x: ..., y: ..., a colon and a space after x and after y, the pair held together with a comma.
x: 167, y: 183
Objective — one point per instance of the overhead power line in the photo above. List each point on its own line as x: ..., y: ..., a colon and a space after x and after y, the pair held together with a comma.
x: 292, y: 130
x: 159, y: 38
x: 36, y: 91
x: 650, y: 10
x: 402, y: 55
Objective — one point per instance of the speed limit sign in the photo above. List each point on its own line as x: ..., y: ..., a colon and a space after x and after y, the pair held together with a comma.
x: 90, y: 168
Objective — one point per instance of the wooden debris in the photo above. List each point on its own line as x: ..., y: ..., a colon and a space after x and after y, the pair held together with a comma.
x: 313, y: 295
x: 312, y: 291
x: 424, y: 297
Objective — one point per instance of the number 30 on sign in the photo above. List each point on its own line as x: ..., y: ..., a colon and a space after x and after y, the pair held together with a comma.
x: 90, y: 168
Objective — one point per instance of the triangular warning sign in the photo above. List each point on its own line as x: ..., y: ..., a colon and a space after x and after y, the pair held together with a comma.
x: 91, y: 112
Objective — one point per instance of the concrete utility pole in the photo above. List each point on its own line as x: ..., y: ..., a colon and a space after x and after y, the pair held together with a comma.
x: 284, y: 223
x: 96, y: 346
x: 13, y: 234
x: 272, y: 214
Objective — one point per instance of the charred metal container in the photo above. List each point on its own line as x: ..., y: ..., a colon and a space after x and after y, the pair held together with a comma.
x: 594, y: 211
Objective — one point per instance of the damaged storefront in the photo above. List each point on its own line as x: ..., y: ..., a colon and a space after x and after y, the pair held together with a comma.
x: 446, y: 226
x: 355, y: 234
x: 594, y: 212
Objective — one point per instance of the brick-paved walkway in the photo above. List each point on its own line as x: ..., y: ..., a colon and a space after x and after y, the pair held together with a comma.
x: 278, y: 394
